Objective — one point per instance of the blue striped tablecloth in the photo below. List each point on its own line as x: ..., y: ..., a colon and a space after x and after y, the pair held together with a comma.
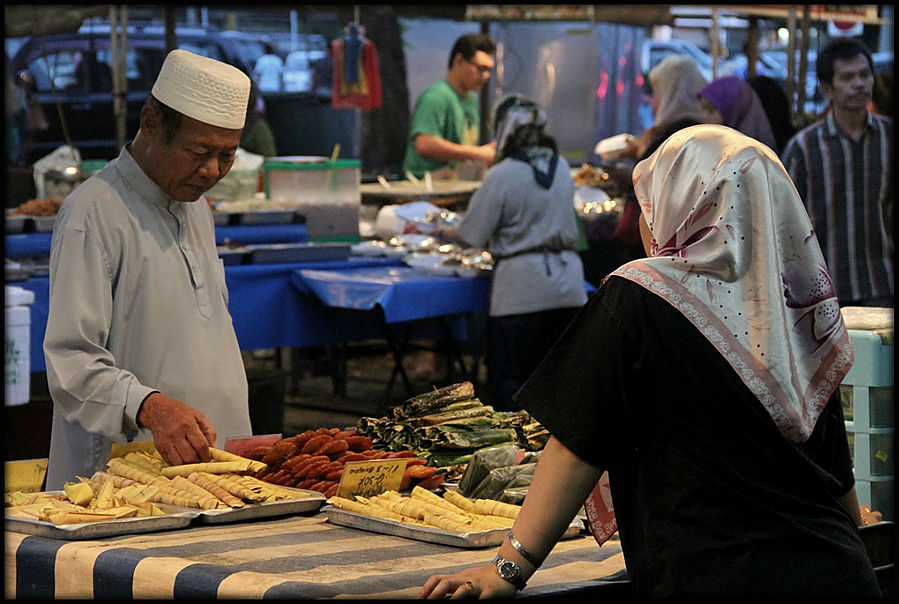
x: 287, y: 557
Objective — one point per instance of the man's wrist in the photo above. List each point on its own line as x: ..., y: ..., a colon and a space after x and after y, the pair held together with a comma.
x: 141, y: 409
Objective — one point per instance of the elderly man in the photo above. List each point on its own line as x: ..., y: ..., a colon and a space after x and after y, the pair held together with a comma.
x: 139, y: 342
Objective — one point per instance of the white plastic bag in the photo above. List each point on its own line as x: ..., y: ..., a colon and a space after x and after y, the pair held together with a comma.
x: 60, y: 159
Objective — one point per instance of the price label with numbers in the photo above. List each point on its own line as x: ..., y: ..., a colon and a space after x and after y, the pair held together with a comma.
x: 370, y: 478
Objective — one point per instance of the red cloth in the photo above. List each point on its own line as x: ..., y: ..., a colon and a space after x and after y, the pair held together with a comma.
x: 364, y: 94
x: 600, y: 513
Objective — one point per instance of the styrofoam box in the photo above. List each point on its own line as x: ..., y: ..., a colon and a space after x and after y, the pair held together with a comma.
x: 877, y: 493
x: 873, y: 360
x: 867, y: 407
x: 872, y: 453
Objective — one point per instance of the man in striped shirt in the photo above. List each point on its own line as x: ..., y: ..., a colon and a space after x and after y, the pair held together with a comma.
x: 841, y: 166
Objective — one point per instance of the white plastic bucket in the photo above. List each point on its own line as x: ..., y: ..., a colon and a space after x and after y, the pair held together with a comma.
x: 18, y: 344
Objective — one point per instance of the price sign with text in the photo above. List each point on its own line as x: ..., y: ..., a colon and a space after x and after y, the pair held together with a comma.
x: 370, y: 478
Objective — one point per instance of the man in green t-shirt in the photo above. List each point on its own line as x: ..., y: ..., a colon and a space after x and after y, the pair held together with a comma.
x: 445, y: 125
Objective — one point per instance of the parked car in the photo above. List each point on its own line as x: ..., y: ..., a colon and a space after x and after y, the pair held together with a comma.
x: 299, y: 65
x: 75, y: 68
x: 653, y: 51
x: 251, y: 45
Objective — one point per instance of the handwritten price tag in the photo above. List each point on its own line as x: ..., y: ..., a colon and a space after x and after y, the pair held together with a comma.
x: 370, y: 478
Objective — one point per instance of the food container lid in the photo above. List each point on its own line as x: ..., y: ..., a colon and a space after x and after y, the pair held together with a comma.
x: 17, y: 296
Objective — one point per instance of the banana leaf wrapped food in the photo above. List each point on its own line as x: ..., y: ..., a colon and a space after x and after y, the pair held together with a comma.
x: 448, y: 425
x: 425, y: 403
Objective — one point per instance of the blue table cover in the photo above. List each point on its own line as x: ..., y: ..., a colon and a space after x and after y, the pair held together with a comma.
x: 268, y: 312
x: 404, y: 293
x: 37, y: 245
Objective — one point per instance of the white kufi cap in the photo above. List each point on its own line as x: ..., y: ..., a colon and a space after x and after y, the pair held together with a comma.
x: 207, y: 90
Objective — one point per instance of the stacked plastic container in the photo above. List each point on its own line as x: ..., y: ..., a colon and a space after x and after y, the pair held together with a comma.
x: 325, y: 193
x: 867, y: 394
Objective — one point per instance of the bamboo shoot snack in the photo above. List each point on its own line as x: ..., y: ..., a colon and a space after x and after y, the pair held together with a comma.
x: 212, y: 467
x: 422, y: 509
x: 204, y: 481
x: 120, y: 467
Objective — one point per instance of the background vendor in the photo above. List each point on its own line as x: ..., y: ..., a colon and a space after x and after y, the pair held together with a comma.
x: 139, y: 342
x: 445, y: 126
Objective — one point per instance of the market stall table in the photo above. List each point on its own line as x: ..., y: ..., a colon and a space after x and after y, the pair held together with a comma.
x: 288, y: 557
x: 400, y: 296
x: 36, y: 245
x: 266, y: 310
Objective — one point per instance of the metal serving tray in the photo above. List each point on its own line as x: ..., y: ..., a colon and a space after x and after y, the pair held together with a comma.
x: 44, y: 224
x: 251, y: 511
x: 233, y: 255
x: 431, y: 535
x: 298, y: 252
x: 266, y: 217
x: 223, y: 217
x: 16, y: 223
x: 175, y: 518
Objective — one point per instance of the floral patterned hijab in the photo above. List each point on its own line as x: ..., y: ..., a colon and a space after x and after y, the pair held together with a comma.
x: 734, y: 251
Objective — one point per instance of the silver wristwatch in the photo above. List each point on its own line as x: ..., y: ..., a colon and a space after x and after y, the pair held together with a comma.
x: 509, y: 571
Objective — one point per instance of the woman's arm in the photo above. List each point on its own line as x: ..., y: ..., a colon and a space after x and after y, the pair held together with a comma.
x: 561, y: 484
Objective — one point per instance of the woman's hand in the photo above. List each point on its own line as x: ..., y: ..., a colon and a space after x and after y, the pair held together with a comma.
x: 481, y: 582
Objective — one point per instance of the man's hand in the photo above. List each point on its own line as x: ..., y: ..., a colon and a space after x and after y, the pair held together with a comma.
x: 181, y: 433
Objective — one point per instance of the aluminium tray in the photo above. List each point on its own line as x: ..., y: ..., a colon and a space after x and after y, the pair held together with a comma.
x: 232, y: 255
x: 175, y: 518
x: 223, y: 217
x: 278, y: 216
x: 298, y: 252
x: 44, y: 224
x: 431, y: 535
x: 310, y: 503
x: 16, y: 223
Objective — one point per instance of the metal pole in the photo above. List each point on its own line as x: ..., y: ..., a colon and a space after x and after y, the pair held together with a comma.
x: 716, y: 50
x: 117, y: 42
x: 803, y: 62
x: 791, y: 63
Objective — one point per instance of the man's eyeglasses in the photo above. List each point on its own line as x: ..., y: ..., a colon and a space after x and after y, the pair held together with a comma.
x: 481, y: 68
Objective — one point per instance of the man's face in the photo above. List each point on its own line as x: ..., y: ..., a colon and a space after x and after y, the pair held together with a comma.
x: 852, y: 85
x: 476, y: 71
x: 199, y: 156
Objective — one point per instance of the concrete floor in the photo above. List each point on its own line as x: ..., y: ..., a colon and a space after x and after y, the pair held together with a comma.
x: 316, y: 397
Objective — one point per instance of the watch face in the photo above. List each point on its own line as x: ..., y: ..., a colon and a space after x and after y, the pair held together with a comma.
x: 507, y: 569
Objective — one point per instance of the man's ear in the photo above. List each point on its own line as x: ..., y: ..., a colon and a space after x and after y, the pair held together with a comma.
x: 826, y: 90
x: 150, y: 122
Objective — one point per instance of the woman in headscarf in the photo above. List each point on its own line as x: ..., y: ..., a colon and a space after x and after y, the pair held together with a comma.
x: 777, y: 107
x: 730, y: 101
x: 523, y: 213
x: 705, y: 379
x: 675, y: 82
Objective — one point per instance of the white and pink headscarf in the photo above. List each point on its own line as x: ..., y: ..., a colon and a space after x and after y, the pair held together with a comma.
x: 734, y: 251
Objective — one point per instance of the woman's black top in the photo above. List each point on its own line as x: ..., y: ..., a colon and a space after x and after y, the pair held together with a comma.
x: 710, y: 499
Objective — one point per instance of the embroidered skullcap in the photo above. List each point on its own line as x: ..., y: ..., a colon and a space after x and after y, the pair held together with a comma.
x: 207, y: 90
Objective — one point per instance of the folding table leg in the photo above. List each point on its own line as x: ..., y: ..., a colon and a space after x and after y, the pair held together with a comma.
x: 455, y: 351
x: 398, y: 349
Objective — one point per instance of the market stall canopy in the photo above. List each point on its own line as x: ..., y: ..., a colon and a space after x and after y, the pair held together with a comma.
x: 41, y: 20
x: 848, y: 13
x: 628, y: 14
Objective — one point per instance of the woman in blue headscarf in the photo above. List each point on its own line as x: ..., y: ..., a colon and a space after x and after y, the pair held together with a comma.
x: 523, y: 214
